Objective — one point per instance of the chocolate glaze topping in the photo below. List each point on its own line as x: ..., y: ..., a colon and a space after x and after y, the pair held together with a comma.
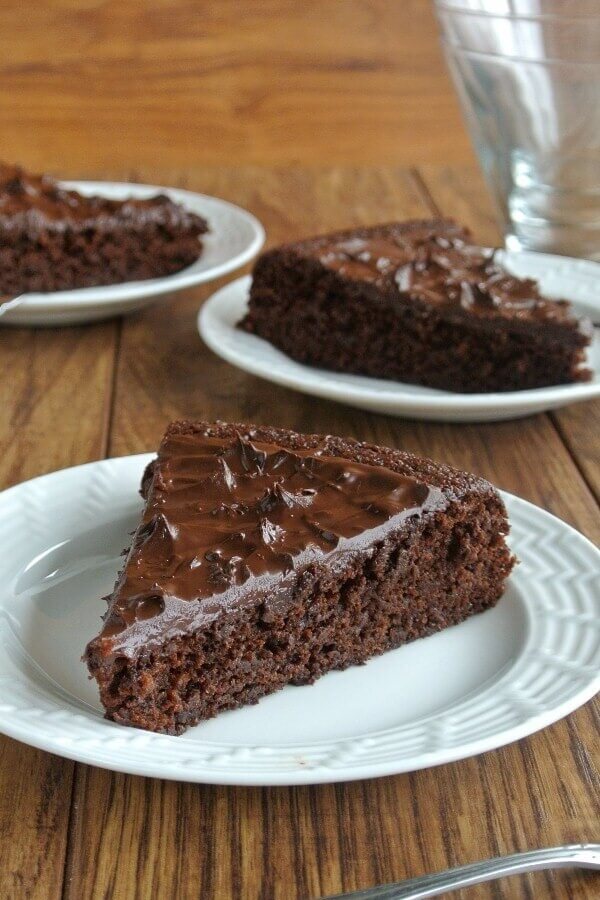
x: 440, y: 267
x: 229, y: 522
x: 36, y: 202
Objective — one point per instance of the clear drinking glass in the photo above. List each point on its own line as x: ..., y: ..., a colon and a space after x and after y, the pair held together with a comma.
x: 528, y: 76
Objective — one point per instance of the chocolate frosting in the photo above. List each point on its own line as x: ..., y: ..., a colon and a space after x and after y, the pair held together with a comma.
x: 439, y: 266
x: 233, y: 521
x: 37, y: 202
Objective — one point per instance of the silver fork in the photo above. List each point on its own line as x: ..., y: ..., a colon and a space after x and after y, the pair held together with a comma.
x: 579, y: 856
x: 10, y: 303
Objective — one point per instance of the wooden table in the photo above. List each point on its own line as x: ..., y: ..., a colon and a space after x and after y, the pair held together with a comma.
x: 76, y: 394
x: 128, y: 83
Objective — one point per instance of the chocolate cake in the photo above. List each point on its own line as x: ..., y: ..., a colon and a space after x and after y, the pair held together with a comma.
x: 417, y: 302
x: 266, y: 557
x: 53, y: 239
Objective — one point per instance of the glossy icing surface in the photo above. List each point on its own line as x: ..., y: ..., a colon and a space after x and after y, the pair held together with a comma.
x: 227, y: 516
x: 34, y: 202
x: 437, y: 264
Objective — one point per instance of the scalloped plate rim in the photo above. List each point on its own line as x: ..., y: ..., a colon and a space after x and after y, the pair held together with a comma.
x: 298, y: 773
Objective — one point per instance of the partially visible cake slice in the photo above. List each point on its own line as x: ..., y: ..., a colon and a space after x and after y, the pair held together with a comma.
x: 266, y: 557
x: 52, y: 239
x: 417, y: 302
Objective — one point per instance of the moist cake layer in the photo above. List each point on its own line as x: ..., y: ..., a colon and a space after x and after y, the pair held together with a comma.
x: 52, y: 238
x: 416, y: 302
x: 266, y: 557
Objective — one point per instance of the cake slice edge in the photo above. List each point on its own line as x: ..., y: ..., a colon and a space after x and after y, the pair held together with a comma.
x: 448, y: 565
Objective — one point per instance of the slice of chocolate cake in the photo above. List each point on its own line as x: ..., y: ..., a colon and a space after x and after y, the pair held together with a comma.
x: 417, y: 302
x: 53, y: 239
x: 266, y: 557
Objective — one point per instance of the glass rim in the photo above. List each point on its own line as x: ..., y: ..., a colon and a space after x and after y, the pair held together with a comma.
x: 549, y: 60
x: 445, y: 7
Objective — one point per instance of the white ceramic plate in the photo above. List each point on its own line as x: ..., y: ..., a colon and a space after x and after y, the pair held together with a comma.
x: 495, y: 678
x: 577, y: 280
x: 235, y: 237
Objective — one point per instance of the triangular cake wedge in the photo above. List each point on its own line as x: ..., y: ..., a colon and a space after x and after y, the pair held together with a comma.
x: 266, y: 557
x: 54, y: 239
x: 415, y: 302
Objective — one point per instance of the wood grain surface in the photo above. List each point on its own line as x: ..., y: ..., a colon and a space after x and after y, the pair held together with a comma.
x: 55, y: 389
x: 73, y: 394
x: 176, y: 82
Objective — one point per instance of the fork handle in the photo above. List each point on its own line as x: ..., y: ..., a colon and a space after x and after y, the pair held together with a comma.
x: 583, y: 856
